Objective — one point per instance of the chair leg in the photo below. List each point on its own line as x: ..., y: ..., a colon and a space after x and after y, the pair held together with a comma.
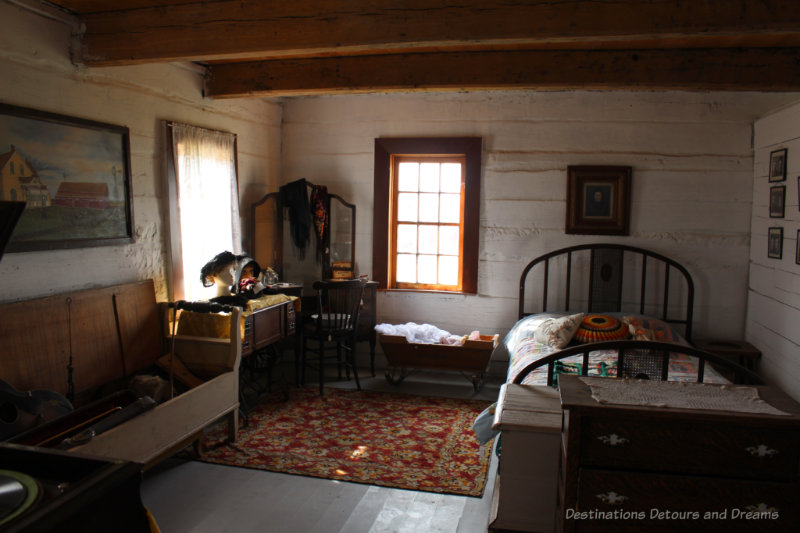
x: 321, y: 364
x: 339, y: 360
x: 303, y: 345
x: 353, y: 364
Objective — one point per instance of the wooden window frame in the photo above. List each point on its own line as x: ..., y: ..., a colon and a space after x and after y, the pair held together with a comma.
x: 385, y: 149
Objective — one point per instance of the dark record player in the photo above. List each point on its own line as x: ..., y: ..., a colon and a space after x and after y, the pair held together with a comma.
x: 43, y: 490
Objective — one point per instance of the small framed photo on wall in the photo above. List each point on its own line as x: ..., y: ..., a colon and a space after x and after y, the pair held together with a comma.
x: 775, y: 243
x: 777, y: 165
x: 797, y: 249
x: 777, y: 201
x: 598, y: 200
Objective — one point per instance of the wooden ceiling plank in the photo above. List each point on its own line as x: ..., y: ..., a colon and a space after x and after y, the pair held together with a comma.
x: 719, y: 69
x: 83, y: 7
x: 249, y: 28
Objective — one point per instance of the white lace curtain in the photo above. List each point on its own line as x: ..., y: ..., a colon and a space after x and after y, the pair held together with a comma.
x: 206, y: 199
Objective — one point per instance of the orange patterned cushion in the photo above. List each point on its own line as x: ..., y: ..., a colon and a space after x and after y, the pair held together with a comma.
x: 597, y: 328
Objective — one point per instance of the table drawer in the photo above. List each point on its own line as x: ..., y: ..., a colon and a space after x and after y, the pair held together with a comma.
x: 686, y: 502
x: 691, y: 447
x: 267, y: 326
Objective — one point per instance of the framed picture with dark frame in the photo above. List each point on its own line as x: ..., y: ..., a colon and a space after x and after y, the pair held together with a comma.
x: 775, y: 243
x: 777, y: 201
x: 797, y: 249
x: 777, y: 165
x: 74, y: 175
x: 598, y: 200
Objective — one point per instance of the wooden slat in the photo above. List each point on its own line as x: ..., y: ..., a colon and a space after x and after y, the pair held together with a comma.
x: 249, y: 29
x: 96, y: 326
x: 753, y: 69
x: 96, y: 352
x: 139, y: 325
x: 35, y: 344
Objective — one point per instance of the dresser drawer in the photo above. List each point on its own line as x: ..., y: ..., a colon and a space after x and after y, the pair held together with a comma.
x: 732, y: 450
x: 684, y: 503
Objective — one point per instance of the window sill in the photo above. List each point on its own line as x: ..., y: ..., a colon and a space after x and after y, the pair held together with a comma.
x: 430, y: 291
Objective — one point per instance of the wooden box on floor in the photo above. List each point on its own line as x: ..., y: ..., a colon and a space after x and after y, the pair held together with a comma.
x: 529, y: 418
x: 472, y: 356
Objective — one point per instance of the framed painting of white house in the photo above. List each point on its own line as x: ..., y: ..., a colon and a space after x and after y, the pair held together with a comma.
x: 73, y: 175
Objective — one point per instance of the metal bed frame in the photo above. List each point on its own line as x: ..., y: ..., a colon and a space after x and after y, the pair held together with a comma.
x: 606, y: 266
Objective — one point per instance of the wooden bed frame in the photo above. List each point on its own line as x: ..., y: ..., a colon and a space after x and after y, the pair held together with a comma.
x: 620, y: 278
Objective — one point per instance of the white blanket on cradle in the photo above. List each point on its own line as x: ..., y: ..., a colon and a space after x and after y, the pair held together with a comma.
x: 421, y: 333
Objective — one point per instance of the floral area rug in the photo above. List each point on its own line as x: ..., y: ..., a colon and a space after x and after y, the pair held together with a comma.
x: 393, y: 440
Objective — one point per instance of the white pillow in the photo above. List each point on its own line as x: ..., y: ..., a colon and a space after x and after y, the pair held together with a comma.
x: 557, y: 332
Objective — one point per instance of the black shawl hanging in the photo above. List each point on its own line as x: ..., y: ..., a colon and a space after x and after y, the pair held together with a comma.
x: 294, y: 196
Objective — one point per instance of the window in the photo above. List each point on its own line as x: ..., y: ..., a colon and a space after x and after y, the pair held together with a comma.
x: 204, y: 205
x: 426, y: 218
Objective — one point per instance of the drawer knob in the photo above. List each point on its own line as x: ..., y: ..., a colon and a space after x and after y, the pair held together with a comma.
x: 762, y: 450
x: 612, y: 498
x: 613, y: 439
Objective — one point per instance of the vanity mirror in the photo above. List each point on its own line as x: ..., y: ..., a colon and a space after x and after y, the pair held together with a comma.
x: 273, y: 243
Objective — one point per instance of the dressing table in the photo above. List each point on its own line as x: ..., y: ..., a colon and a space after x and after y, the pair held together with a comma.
x: 272, y: 246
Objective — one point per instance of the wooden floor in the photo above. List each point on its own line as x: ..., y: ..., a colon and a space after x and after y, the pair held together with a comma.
x: 188, y: 496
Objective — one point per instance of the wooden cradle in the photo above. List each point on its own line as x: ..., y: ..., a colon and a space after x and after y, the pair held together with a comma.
x: 471, y: 358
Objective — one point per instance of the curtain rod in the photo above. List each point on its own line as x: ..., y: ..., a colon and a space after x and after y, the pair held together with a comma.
x: 174, y: 123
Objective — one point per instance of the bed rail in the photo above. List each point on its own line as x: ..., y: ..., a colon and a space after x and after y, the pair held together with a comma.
x: 604, y: 291
x: 637, y: 359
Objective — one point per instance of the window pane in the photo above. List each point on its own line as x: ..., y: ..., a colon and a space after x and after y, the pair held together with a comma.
x: 408, y: 177
x: 426, y: 265
x: 448, y: 270
x: 428, y: 207
x: 428, y: 239
x: 407, y: 238
x: 451, y: 177
x: 450, y: 208
x: 407, y: 207
x: 406, y: 268
x: 429, y: 177
x: 448, y: 240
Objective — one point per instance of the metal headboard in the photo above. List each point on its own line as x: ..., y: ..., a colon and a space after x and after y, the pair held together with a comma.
x: 604, y: 291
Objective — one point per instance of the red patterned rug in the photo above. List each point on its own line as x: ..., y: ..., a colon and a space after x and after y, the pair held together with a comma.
x: 393, y: 440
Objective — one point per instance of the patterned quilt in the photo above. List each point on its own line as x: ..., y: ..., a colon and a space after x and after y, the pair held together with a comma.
x: 525, y: 345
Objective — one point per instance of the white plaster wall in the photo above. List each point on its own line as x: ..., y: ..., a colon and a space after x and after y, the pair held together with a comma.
x: 692, y: 162
x: 37, y: 73
x: 773, y: 307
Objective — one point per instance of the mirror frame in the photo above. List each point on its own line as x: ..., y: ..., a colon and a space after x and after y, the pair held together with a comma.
x: 280, y: 267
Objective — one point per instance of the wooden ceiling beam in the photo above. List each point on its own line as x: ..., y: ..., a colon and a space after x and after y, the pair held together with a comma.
x: 248, y: 29
x: 702, y: 69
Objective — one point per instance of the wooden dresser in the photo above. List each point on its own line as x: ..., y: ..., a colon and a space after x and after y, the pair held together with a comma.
x: 638, y: 468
